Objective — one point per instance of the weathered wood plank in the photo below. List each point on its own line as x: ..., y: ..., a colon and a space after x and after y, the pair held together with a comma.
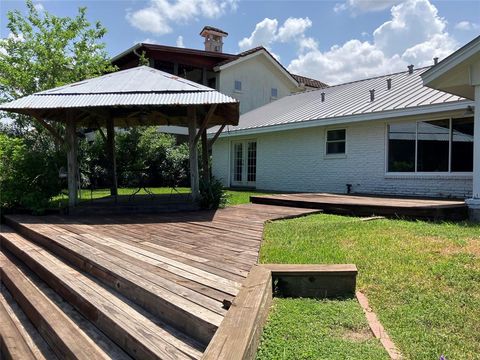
x: 239, y: 334
x: 66, y: 339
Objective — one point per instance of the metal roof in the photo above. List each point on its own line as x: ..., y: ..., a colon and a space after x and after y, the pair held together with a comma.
x: 138, y: 86
x: 133, y: 88
x: 348, y: 102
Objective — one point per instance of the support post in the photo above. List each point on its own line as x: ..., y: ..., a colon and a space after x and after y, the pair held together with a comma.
x: 192, y: 144
x: 205, y: 157
x: 72, y: 161
x: 474, y: 202
x: 111, y: 156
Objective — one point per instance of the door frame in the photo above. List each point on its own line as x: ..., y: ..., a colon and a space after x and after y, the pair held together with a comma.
x: 244, y: 182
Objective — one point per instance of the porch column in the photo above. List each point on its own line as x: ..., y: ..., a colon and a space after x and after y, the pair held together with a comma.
x: 474, y: 202
x: 72, y: 160
x: 192, y: 145
x: 112, y: 157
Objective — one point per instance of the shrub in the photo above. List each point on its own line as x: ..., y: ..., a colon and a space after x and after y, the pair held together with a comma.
x: 212, y: 194
x: 28, y: 174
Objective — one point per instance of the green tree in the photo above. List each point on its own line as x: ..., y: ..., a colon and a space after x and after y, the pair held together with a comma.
x: 43, y: 51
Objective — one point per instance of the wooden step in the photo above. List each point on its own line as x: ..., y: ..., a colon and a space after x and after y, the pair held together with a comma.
x: 167, y: 300
x: 124, y: 322
x: 23, y: 331
x: 65, y: 337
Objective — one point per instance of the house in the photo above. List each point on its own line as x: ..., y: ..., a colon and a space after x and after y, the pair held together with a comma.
x: 254, y: 77
x: 384, y: 135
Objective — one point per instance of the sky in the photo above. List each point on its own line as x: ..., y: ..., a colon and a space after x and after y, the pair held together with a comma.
x: 332, y: 41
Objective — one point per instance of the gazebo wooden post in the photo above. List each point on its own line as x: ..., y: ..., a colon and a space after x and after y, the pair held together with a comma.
x: 192, y: 145
x: 205, y: 157
x: 111, y: 156
x: 72, y: 160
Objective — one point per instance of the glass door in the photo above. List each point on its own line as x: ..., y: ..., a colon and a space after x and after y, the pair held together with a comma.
x: 244, y: 163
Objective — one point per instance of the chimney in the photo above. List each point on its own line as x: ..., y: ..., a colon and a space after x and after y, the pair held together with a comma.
x: 435, y: 60
x: 322, y: 96
x: 372, y: 94
x: 389, y: 84
x: 213, y: 38
x: 410, y: 69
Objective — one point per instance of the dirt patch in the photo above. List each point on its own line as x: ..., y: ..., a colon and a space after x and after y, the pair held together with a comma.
x: 472, y: 247
x: 357, y: 335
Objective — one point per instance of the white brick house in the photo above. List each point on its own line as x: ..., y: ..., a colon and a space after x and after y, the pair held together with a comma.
x: 400, y: 139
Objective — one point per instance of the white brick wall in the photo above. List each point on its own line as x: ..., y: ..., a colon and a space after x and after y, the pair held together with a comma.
x: 294, y: 160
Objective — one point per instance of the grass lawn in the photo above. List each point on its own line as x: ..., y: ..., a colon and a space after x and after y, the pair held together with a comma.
x: 318, y: 329
x: 235, y: 197
x: 422, y: 279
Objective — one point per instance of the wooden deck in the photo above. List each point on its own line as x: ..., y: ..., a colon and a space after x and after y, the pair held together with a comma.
x: 140, y: 286
x: 367, y: 205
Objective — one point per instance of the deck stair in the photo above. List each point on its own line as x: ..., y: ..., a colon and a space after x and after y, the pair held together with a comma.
x: 141, y: 286
x: 38, y: 283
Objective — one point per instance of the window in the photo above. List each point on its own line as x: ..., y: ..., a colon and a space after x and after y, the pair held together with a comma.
x: 238, y: 85
x: 431, y: 146
x: 336, y: 141
x: 274, y: 93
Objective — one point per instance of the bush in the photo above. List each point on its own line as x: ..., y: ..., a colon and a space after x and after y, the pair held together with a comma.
x: 28, y: 174
x: 212, y: 194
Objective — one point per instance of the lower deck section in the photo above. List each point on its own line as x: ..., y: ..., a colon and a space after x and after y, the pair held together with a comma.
x: 363, y: 205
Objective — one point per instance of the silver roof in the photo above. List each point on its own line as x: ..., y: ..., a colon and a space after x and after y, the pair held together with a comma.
x: 348, y: 101
x: 137, y: 86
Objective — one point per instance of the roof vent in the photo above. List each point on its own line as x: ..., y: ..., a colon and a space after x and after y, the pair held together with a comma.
x: 389, y: 84
x: 322, y: 96
x: 372, y: 94
x: 410, y: 69
x: 435, y: 60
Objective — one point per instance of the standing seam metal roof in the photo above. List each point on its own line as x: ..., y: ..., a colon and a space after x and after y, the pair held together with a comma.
x: 344, y: 100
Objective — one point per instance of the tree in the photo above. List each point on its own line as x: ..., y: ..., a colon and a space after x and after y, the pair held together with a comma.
x: 44, y: 51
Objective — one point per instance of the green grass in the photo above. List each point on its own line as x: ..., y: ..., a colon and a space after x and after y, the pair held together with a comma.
x: 235, y: 197
x: 318, y: 329
x: 421, y: 278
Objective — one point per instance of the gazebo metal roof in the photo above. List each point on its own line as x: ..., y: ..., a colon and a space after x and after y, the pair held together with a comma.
x: 137, y: 96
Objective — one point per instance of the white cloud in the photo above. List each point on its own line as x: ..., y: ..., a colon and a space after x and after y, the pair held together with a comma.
x: 364, y: 5
x: 293, y: 27
x: 180, y: 41
x: 467, y: 26
x: 39, y: 7
x: 267, y: 32
x: 159, y: 15
x: 415, y: 34
x: 264, y: 34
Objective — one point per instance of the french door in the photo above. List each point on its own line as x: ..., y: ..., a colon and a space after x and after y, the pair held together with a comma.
x: 244, y: 163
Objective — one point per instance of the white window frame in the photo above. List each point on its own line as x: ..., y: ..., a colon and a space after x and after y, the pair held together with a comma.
x: 336, y: 155
x: 426, y: 174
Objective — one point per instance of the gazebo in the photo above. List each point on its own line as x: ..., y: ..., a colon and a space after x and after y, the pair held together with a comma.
x: 135, y: 97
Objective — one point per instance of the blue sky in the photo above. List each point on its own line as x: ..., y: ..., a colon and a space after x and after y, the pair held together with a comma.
x: 334, y: 41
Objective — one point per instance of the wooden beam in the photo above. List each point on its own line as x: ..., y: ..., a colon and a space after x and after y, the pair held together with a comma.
x: 192, y: 145
x: 205, y: 121
x: 72, y: 161
x: 217, y: 134
x: 50, y: 129
x: 111, y: 156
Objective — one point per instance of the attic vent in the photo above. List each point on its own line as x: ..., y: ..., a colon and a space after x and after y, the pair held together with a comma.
x: 389, y: 84
x: 410, y: 69
x: 435, y: 60
x: 322, y: 96
x: 372, y: 94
